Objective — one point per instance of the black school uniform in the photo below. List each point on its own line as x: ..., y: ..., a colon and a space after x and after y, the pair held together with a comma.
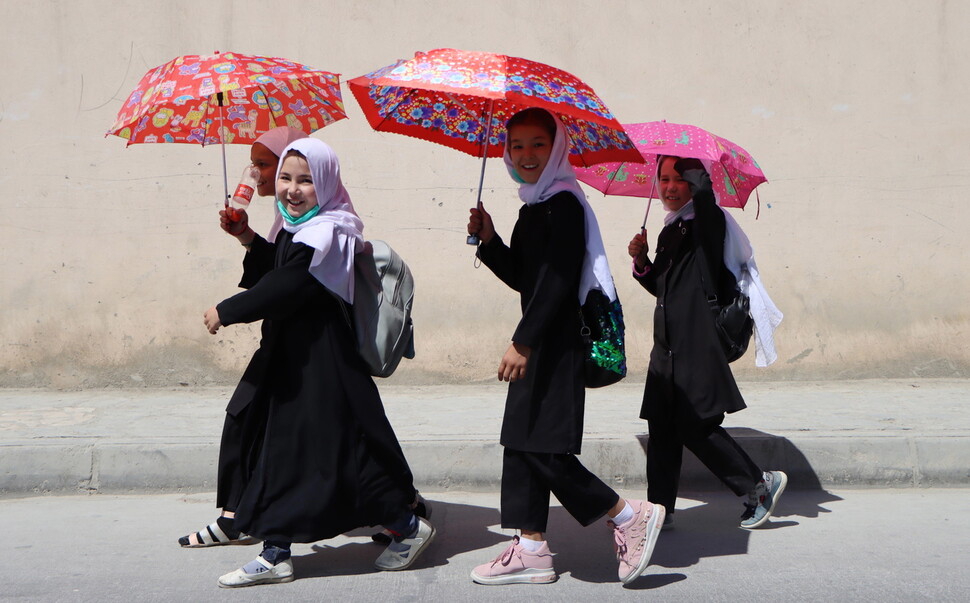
x: 307, y: 451
x: 542, y: 429
x: 689, y: 382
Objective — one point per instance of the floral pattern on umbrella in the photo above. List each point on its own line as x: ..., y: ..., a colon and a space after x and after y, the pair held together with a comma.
x: 179, y: 101
x: 445, y: 96
x: 734, y: 172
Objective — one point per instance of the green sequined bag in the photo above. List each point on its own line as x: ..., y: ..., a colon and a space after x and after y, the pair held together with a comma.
x: 602, y: 334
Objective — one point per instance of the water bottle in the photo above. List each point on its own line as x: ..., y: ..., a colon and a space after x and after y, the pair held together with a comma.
x: 244, y: 192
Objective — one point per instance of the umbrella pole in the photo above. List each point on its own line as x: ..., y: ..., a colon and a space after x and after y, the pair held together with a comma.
x: 222, y: 139
x: 473, y: 239
x: 653, y: 189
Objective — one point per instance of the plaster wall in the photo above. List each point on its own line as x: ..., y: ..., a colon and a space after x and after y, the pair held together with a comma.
x: 856, y: 110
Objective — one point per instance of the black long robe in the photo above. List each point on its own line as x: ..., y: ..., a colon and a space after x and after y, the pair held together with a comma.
x: 318, y: 456
x: 689, y: 376
x: 544, y: 410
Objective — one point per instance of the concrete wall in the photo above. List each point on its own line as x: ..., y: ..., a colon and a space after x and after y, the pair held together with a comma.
x: 855, y: 109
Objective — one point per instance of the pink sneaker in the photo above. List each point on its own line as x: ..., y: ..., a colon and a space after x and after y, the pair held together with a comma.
x: 635, y: 539
x: 517, y: 566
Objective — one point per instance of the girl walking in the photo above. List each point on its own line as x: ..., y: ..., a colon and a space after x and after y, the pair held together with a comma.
x: 554, y: 258
x: 318, y: 456
x: 689, y: 382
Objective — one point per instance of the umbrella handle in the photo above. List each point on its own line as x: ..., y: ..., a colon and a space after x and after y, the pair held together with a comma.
x: 222, y: 139
x: 473, y: 239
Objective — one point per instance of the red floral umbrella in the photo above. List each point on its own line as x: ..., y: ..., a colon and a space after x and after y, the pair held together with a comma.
x: 227, y: 98
x: 447, y: 96
x: 462, y: 99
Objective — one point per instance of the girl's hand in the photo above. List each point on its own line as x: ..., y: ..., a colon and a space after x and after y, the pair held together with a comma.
x: 512, y: 367
x: 234, y: 221
x: 211, y: 320
x: 480, y: 223
x: 638, y: 249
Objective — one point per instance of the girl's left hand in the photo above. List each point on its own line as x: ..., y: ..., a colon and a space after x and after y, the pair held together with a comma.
x: 212, y: 321
x: 512, y: 367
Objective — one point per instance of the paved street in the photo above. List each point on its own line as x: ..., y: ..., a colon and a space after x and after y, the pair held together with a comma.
x: 846, y: 545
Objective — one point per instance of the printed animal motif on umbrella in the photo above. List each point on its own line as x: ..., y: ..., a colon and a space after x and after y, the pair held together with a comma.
x: 227, y: 97
x: 734, y: 172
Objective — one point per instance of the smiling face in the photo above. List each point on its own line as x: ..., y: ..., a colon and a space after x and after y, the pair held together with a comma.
x: 529, y: 148
x: 674, y: 190
x: 294, y: 186
x: 266, y: 162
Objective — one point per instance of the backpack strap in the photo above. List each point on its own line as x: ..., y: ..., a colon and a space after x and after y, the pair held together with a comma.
x: 707, y: 277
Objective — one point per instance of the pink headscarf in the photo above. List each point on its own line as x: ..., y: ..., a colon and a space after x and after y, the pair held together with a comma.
x: 279, y: 138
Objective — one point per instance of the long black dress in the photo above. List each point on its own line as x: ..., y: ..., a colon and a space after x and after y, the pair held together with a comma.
x: 316, y: 454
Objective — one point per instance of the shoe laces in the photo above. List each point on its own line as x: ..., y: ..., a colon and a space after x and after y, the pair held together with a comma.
x: 506, y: 557
x: 619, y: 540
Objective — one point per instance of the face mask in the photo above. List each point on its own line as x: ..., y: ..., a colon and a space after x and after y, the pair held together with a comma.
x: 295, y: 221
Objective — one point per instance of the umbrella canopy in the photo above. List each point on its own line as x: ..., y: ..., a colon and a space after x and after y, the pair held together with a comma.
x: 734, y: 173
x: 462, y: 99
x: 228, y: 98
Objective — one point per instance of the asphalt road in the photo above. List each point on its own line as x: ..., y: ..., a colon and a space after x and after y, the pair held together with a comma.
x: 881, y: 545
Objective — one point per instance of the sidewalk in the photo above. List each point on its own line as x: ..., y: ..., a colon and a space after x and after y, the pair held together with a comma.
x: 899, y: 433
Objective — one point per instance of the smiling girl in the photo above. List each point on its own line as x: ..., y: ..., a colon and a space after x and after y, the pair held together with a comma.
x: 555, y: 257
x: 318, y: 455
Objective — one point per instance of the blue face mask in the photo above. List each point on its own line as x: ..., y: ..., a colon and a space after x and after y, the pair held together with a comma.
x: 295, y: 221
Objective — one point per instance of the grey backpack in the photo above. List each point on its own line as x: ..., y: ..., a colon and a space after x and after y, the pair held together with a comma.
x: 381, y: 314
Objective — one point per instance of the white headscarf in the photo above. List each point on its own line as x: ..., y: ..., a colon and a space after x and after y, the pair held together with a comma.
x: 556, y: 177
x: 335, y: 233
x: 739, y: 259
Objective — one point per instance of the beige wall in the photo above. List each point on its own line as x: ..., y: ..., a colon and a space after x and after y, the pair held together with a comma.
x: 856, y: 110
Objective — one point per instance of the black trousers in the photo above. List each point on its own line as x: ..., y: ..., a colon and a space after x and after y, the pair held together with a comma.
x: 529, y: 477
x: 709, y: 442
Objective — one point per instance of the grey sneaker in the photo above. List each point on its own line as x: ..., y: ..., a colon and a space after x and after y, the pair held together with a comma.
x: 402, y: 555
x: 268, y: 574
x: 762, y: 500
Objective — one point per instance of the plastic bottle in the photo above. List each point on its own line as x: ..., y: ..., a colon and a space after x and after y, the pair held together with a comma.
x: 244, y: 191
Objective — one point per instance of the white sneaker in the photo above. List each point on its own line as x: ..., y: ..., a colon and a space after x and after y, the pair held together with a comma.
x: 274, y: 574
x: 393, y: 560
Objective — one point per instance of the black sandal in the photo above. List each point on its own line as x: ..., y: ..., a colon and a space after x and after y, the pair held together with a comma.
x: 218, y: 533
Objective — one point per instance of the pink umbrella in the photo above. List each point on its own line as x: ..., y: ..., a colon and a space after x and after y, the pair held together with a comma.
x: 734, y: 173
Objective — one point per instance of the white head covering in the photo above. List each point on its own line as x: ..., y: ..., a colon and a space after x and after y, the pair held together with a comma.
x: 279, y: 138
x: 335, y: 233
x: 558, y: 176
x: 739, y: 259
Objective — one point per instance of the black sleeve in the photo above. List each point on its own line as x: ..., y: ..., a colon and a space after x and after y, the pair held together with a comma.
x: 557, y: 279
x: 257, y: 262
x: 649, y: 280
x: 498, y: 257
x: 279, y: 293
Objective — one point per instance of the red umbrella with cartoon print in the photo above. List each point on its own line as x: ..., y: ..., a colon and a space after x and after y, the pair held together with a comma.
x: 227, y: 98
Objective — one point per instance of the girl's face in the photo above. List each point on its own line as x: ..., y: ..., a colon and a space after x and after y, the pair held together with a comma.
x: 529, y: 149
x: 674, y: 190
x: 266, y: 162
x: 294, y: 187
